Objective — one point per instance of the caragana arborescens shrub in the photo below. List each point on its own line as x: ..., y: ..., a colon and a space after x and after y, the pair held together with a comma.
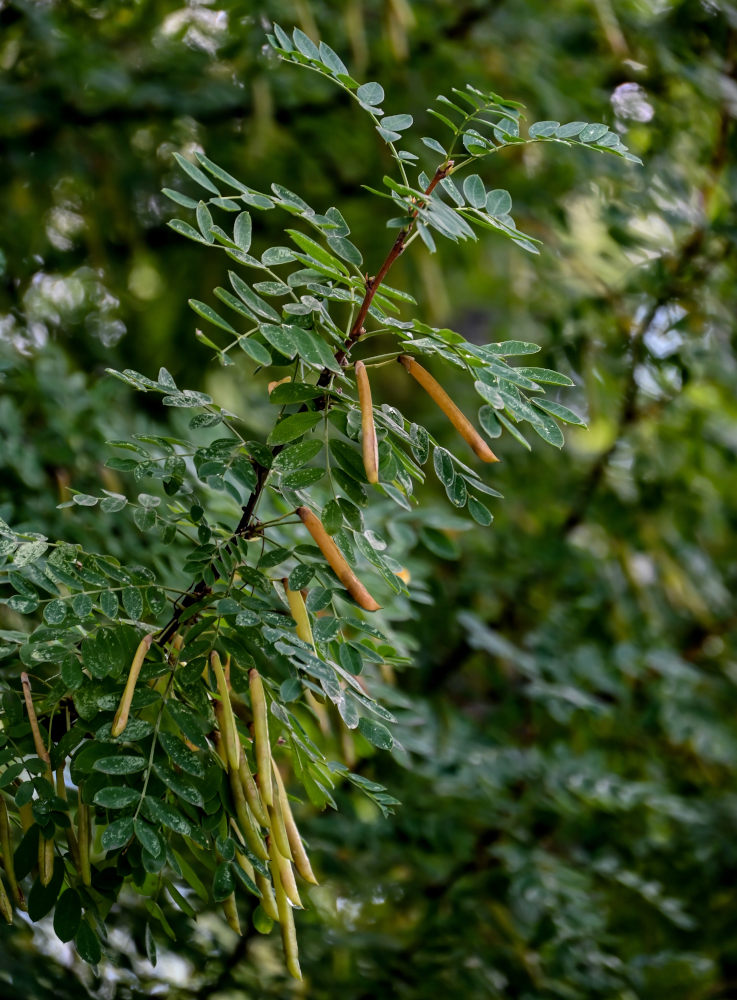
x: 150, y: 726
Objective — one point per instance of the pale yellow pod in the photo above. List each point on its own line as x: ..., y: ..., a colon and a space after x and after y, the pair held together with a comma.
x: 230, y: 732
x: 298, y: 611
x: 459, y: 420
x: 299, y: 854
x: 45, y: 859
x: 231, y: 913
x: 336, y: 560
x: 246, y: 823
x: 286, y: 922
x: 83, y: 838
x: 369, y: 441
x: 268, y: 902
x: 251, y: 791
x: 121, y: 716
x: 6, y: 908
x: 278, y: 830
x: 262, y: 746
x: 7, y: 849
x: 283, y: 867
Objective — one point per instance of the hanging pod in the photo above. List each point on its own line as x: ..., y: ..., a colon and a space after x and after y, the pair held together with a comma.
x: 262, y: 746
x: 438, y: 395
x: 336, y: 560
x: 369, y: 441
x: 121, y: 716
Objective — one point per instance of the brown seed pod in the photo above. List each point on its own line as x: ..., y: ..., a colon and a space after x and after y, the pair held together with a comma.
x: 336, y: 561
x: 272, y: 385
x: 369, y: 442
x: 121, y: 716
x: 459, y: 420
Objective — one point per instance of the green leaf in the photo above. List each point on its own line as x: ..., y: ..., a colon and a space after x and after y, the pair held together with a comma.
x: 293, y: 392
x: 116, y: 797
x: 543, y: 129
x: 376, y: 733
x: 117, y: 834
x: 397, y: 123
x: 499, y: 202
x: 166, y: 815
x: 184, y: 229
x: 204, y: 221
x: 480, y: 513
x: 29, y: 552
x: 223, y: 883
x: 122, y: 764
x: 257, y: 352
x: 371, y: 94
x: 132, y: 602
x: 332, y: 517
x: 561, y: 412
x: 182, y: 756
x: 332, y: 60
x: 443, y: 466
x: 474, y: 190
x: 280, y: 338
x: 300, y: 576
x: 55, y: 612
x: 180, y: 786
x: 293, y: 427
x: 345, y: 249
x: 305, y: 45
x: 315, y: 250
x: 207, y: 312
x: 242, y: 231
x: 302, y: 479
x: 68, y: 915
x: 545, y: 375
x: 593, y: 132
x: 88, y: 944
x: 196, y: 174
x: 148, y: 838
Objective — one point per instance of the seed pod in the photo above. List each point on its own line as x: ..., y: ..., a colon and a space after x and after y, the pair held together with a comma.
x: 231, y: 913
x: 7, y: 849
x: 251, y: 791
x: 6, y: 908
x: 61, y: 791
x: 26, y: 816
x: 301, y: 861
x: 246, y: 823
x: 121, y: 716
x: 230, y: 732
x: 279, y: 831
x: 285, y: 916
x: 83, y: 838
x: 268, y: 903
x: 369, y: 442
x: 272, y: 385
x: 261, y: 736
x: 45, y: 859
x: 298, y: 611
x: 459, y: 420
x: 281, y: 865
x: 336, y: 560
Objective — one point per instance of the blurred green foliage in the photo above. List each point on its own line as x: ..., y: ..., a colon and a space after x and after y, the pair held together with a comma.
x: 569, y: 763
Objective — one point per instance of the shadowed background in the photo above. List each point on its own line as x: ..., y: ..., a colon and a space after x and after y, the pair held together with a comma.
x: 568, y: 778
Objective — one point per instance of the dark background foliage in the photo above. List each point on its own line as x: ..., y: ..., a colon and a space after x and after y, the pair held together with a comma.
x: 568, y: 777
